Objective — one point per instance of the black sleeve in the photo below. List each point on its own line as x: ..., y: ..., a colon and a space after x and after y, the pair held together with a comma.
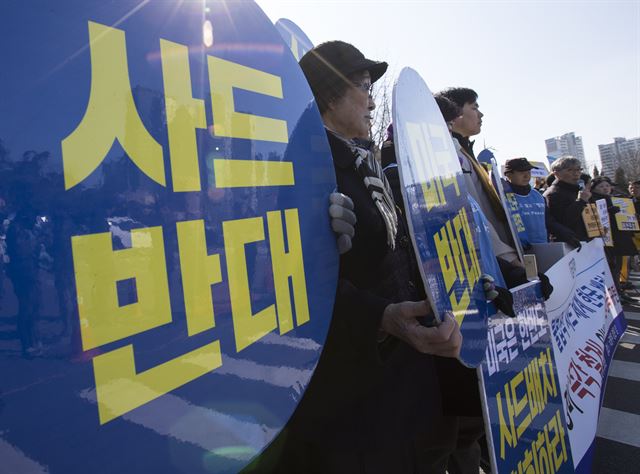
x: 514, y: 275
x: 360, y: 312
x: 561, y: 232
x: 566, y: 211
x: 393, y: 176
x: 391, y: 171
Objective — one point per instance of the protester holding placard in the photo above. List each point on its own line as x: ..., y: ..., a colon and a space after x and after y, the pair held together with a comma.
x: 375, y: 386
x: 450, y: 111
x: 628, y: 219
x: 460, y: 110
x: 622, y: 240
x: 459, y: 384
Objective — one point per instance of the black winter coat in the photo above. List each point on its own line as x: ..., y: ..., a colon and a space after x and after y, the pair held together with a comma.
x: 458, y: 384
x: 366, y: 394
x: 566, y: 208
x: 622, y: 240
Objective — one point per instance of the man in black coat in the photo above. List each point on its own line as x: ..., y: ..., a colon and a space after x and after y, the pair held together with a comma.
x: 567, y: 196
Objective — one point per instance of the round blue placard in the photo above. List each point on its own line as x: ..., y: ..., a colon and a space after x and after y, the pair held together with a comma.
x: 168, y: 269
x: 298, y: 42
x: 439, y: 213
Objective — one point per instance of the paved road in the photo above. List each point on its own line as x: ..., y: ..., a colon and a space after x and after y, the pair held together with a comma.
x: 618, y: 441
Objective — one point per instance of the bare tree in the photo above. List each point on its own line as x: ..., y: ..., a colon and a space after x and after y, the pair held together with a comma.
x: 620, y: 178
x: 630, y: 163
x: 382, y: 92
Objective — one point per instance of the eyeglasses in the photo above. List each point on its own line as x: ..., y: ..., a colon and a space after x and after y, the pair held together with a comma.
x: 364, y: 86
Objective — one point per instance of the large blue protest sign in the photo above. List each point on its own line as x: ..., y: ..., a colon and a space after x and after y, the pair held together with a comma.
x: 509, y: 203
x: 169, y: 270
x: 487, y: 157
x: 522, y: 394
x: 438, y: 212
x: 298, y: 42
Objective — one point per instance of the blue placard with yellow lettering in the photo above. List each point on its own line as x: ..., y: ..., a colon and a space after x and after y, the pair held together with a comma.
x: 296, y: 39
x: 521, y: 391
x: 508, y: 200
x: 439, y: 213
x: 167, y: 265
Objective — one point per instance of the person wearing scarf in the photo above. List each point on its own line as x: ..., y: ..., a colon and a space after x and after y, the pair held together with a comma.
x: 375, y: 385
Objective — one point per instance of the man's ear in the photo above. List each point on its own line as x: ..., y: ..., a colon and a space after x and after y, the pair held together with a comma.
x: 454, y: 123
x: 331, y: 105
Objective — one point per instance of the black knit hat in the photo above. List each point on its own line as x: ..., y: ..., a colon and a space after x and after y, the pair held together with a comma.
x: 600, y: 179
x: 330, y: 64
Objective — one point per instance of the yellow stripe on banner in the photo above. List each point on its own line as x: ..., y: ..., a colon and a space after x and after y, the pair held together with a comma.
x: 250, y: 173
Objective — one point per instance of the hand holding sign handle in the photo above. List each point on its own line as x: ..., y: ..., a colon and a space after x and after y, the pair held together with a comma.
x: 343, y: 220
x: 402, y: 321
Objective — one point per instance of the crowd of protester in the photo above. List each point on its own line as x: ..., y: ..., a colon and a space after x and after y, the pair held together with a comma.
x: 388, y: 394
x: 568, y: 196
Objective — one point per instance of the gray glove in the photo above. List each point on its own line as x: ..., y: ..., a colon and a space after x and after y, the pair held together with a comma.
x: 489, y: 287
x: 500, y: 297
x: 343, y: 220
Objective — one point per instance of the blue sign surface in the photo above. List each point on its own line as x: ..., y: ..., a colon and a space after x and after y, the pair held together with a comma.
x: 487, y: 157
x: 439, y: 213
x: 528, y: 431
x: 168, y: 268
x: 516, y: 226
x: 298, y: 42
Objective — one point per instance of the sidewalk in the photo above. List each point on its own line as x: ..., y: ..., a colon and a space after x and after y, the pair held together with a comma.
x: 618, y: 437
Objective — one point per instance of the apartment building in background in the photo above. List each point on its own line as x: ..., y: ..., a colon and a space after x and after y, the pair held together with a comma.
x: 565, y: 145
x: 622, y: 153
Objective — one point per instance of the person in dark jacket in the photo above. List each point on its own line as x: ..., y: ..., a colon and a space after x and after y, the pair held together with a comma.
x: 622, y: 240
x: 460, y: 109
x: 375, y: 385
x: 452, y: 448
x: 565, y: 197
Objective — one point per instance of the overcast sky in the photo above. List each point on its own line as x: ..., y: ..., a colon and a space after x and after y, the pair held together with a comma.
x: 541, y: 68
